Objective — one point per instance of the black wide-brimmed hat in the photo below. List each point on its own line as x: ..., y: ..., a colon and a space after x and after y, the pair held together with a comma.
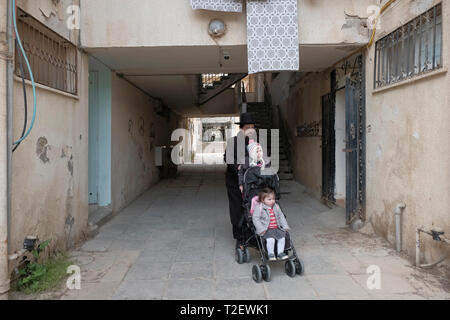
x: 246, y: 118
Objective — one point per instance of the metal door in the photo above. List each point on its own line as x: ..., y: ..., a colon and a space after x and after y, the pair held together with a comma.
x: 94, y: 118
x: 328, y: 149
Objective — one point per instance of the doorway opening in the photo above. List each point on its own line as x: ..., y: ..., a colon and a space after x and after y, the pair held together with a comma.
x: 99, y: 139
x: 343, y: 140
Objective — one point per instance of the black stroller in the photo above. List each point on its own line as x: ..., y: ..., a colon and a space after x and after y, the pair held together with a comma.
x: 255, y: 180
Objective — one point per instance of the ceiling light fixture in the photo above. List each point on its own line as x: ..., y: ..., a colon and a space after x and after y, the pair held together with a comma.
x: 217, y: 28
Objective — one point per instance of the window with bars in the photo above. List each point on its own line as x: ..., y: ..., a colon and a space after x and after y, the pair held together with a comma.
x: 52, y: 58
x: 411, y: 50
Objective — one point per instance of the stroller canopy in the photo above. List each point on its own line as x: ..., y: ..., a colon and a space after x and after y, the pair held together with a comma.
x: 256, y: 179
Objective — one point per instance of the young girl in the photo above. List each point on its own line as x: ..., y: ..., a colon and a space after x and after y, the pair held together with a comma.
x: 271, y: 224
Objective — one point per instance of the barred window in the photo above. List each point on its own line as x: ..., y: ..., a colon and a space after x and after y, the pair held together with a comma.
x: 411, y: 50
x: 52, y: 58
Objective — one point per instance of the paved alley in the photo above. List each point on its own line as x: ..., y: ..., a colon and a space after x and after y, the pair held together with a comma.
x: 175, y: 242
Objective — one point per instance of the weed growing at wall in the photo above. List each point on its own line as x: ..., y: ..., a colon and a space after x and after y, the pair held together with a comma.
x: 36, y: 276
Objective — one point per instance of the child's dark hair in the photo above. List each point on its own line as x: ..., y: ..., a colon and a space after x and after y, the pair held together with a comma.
x: 264, y: 193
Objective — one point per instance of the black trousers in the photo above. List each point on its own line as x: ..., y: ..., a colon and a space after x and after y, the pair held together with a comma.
x: 235, y: 204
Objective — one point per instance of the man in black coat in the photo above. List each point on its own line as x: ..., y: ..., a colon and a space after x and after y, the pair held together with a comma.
x: 237, y: 149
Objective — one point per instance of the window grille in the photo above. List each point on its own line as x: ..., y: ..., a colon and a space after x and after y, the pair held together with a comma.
x: 411, y: 50
x: 52, y: 58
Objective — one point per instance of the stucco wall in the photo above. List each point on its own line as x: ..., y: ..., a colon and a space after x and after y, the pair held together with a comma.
x: 408, y: 150
x: 132, y: 161
x: 135, y: 23
x: 50, y: 168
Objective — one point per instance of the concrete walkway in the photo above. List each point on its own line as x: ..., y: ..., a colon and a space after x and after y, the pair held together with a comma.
x: 175, y: 242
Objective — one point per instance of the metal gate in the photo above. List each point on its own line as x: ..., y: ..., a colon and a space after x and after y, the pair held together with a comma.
x: 355, y: 143
x: 328, y: 149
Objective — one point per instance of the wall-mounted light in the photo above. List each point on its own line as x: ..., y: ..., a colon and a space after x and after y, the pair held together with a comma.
x: 216, y: 28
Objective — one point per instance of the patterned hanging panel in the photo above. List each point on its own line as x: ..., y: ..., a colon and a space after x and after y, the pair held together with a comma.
x: 272, y: 32
x: 217, y: 5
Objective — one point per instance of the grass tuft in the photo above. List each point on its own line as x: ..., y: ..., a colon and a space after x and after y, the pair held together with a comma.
x: 50, y: 275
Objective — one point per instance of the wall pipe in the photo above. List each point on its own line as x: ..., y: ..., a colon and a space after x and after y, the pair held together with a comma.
x: 6, y: 196
x: 398, y: 226
x: 10, y: 106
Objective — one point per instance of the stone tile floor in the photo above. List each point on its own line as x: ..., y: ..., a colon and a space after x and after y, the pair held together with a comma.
x: 174, y: 242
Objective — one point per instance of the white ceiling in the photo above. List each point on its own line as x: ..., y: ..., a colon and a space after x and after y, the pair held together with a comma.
x: 173, y: 60
x: 170, y: 73
x: 178, y: 91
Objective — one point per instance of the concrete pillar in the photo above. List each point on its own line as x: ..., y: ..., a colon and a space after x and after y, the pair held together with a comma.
x: 4, y: 274
x: 260, y: 87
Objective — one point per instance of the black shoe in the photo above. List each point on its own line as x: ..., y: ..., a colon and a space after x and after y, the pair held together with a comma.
x: 283, y: 256
x: 239, y: 244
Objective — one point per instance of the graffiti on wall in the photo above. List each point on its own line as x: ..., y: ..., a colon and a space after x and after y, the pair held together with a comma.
x: 311, y: 129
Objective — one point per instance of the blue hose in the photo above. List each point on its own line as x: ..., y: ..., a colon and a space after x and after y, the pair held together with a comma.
x: 30, y: 71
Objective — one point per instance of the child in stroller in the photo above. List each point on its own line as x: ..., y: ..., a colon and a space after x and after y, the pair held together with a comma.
x: 255, y: 178
x: 270, y: 223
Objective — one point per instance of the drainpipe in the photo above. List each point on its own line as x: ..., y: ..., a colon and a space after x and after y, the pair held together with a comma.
x: 5, y: 151
x: 398, y: 230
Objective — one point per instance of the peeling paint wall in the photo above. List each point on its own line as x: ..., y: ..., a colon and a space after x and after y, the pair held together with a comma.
x: 53, y: 13
x: 50, y: 167
x: 408, y: 150
x: 135, y: 132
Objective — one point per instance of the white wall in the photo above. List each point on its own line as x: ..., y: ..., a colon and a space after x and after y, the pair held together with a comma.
x: 135, y: 23
x: 133, y: 168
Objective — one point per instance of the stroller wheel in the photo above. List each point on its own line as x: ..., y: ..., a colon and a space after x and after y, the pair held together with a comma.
x: 299, y: 266
x: 257, y: 274
x: 247, y: 256
x: 290, y: 268
x: 266, y: 272
x: 239, y: 256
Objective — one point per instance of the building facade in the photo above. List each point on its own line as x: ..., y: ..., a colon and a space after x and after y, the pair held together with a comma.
x: 115, y: 78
